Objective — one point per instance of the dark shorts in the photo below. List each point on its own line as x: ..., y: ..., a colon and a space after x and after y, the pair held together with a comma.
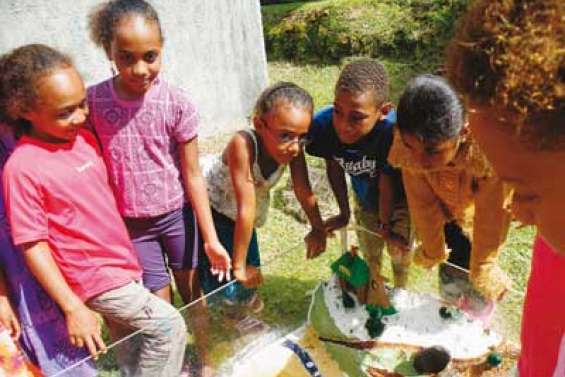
x: 225, y: 228
x: 167, y: 241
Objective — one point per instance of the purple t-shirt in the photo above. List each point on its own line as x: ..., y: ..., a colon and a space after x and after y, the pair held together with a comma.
x: 140, y: 143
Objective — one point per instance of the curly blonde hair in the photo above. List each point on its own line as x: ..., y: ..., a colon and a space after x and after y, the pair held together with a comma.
x: 510, y: 54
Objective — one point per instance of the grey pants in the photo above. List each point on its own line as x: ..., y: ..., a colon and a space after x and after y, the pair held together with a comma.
x: 158, y: 349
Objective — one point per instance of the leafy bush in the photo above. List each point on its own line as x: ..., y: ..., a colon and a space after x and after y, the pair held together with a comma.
x: 326, y: 31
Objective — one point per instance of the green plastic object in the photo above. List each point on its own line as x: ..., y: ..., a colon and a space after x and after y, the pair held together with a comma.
x: 379, y: 312
x: 351, y: 268
x: 494, y: 359
x: 374, y: 311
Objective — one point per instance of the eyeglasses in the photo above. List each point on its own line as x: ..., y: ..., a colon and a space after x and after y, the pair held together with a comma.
x: 288, y: 138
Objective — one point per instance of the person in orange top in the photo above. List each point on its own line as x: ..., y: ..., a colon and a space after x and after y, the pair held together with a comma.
x: 454, y: 196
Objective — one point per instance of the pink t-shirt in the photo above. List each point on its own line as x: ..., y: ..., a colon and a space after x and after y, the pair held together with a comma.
x: 140, y: 145
x: 59, y: 193
x: 543, y: 322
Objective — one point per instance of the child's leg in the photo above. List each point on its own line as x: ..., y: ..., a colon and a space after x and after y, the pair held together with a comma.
x: 453, y: 281
x: 127, y: 352
x: 455, y: 286
x: 183, y: 245
x: 145, y: 236
x: 162, y: 329
x: 400, y: 259
x: 371, y: 245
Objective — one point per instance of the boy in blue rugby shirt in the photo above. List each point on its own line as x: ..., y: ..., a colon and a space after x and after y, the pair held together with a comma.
x: 354, y: 137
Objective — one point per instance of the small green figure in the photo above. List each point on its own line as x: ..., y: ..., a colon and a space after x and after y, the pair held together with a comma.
x: 352, y: 269
x: 353, y: 275
x: 494, y: 359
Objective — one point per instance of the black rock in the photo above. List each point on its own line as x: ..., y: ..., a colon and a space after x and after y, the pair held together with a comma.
x: 348, y: 302
x: 445, y: 313
x: 375, y: 327
x: 431, y: 360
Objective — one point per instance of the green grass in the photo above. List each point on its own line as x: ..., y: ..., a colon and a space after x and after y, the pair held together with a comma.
x: 319, y: 80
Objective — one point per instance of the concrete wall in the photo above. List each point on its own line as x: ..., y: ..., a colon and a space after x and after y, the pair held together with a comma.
x: 213, y: 48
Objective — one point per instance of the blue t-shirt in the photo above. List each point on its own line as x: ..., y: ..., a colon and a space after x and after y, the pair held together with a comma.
x: 363, y: 161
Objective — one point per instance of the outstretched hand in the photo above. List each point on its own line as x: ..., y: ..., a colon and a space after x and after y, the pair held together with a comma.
x: 315, y: 243
x: 220, y: 261
x: 393, y: 238
x: 398, y: 242
x: 248, y: 276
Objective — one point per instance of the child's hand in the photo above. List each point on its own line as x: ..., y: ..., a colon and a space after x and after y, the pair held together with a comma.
x: 398, y: 242
x: 335, y: 223
x: 220, y: 261
x: 8, y: 318
x: 490, y: 280
x: 315, y: 243
x: 84, y: 330
x: 249, y: 276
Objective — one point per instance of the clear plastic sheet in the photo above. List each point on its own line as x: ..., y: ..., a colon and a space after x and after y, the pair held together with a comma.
x: 230, y: 333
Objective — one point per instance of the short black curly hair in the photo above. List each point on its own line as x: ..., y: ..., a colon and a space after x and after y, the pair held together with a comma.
x: 510, y: 54
x: 364, y: 75
x: 20, y: 69
x: 103, y: 19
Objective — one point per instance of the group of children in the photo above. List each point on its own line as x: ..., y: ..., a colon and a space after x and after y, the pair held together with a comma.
x: 104, y: 192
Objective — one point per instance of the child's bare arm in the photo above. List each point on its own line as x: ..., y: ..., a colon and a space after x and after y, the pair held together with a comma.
x: 195, y: 186
x: 336, y: 177
x: 316, y: 238
x: 239, y: 157
x: 7, y: 316
x: 82, y: 324
x: 428, y: 217
x: 490, y: 228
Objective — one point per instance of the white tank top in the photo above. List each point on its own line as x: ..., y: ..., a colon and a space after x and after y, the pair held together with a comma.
x: 220, y: 187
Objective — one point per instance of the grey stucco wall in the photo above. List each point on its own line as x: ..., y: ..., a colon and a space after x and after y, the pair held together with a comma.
x: 213, y: 48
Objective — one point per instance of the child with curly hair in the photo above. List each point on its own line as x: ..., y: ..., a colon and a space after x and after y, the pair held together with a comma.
x: 44, y: 338
x: 65, y: 220
x: 508, y: 60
